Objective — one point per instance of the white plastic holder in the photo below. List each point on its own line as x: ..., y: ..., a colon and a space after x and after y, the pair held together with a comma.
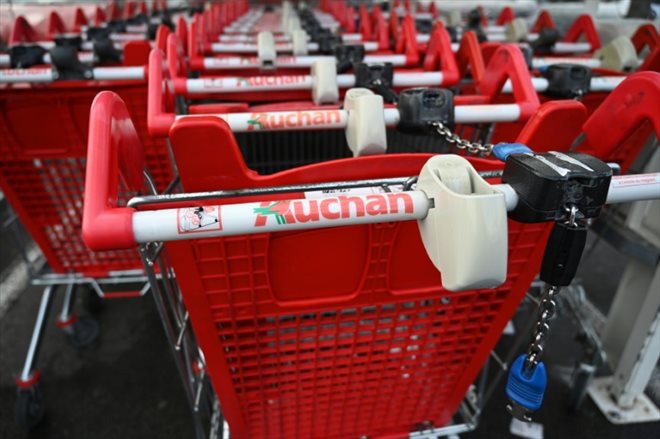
x: 266, y: 53
x: 465, y: 230
x: 299, y: 42
x: 454, y: 18
x: 619, y: 54
x: 516, y: 30
x: 365, y: 129
x: 325, y: 89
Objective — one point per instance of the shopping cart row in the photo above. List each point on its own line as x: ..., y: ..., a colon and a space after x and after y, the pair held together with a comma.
x: 352, y: 121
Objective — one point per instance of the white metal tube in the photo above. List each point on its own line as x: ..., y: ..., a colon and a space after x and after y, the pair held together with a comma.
x: 628, y: 188
x: 298, y: 82
x: 118, y: 73
x: 5, y: 60
x: 250, y: 84
x: 127, y: 37
x: 329, y: 119
x: 540, y: 85
x: 276, y: 216
x: 39, y: 75
x: 334, y: 211
x: 561, y: 47
x: 283, y: 47
x: 601, y: 83
x: 396, y: 60
x: 542, y: 62
x: 250, y: 62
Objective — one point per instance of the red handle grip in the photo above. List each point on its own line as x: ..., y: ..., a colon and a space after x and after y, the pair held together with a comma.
x: 632, y: 103
x: 439, y: 56
x: 22, y: 32
x: 469, y: 55
x: 508, y: 63
x: 114, y: 149
x: 160, y: 99
x: 583, y: 25
x: 544, y: 20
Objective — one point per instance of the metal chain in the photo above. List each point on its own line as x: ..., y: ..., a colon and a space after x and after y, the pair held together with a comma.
x: 464, y: 144
x: 548, y: 308
x: 535, y: 349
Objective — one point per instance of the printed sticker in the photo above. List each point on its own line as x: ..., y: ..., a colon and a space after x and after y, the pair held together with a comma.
x: 199, y: 219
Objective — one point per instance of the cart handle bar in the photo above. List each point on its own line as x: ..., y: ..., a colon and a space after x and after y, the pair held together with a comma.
x: 114, y: 146
x: 333, y: 211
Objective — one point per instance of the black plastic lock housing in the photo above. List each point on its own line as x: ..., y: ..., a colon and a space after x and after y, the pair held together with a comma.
x: 116, y: 26
x: 473, y: 19
x: 377, y: 77
x: 548, y: 184
x: 67, y: 65
x: 328, y: 42
x: 545, y: 41
x: 453, y: 33
x: 26, y: 55
x: 420, y: 107
x: 347, y: 55
x: 68, y: 41
x: 105, y: 51
x: 424, y: 25
x: 567, y: 81
x: 97, y: 33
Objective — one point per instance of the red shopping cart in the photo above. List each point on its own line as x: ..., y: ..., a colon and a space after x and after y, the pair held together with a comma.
x: 293, y: 348
x: 302, y: 120
x: 43, y: 141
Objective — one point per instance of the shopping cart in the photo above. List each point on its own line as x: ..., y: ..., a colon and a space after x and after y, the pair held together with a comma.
x: 43, y: 141
x: 302, y: 133
x: 354, y: 339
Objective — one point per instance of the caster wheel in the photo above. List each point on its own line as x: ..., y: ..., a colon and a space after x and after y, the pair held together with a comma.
x: 30, y: 406
x: 92, y: 303
x: 85, y: 331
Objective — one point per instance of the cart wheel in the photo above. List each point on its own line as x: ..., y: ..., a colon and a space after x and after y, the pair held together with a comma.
x: 85, y: 331
x: 30, y: 406
x: 92, y: 302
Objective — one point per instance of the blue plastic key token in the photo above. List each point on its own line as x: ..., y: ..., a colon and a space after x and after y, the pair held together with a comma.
x: 503, y: 150
x: 526, y: 391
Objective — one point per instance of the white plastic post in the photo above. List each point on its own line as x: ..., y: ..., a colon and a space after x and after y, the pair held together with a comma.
x: 365, y: 129
x: 324, y: 73
x: 465, y: 232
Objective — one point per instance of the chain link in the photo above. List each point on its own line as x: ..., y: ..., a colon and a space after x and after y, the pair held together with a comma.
x: 463, y: 144
x: 535, y: 349
x: 548, y: 308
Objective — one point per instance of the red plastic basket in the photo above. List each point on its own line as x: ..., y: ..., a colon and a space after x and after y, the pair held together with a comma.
x: 43, y: 144
x: 333, y: 333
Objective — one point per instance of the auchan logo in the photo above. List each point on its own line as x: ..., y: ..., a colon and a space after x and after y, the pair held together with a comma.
x: 256, y: 81
x: 293, y: 119
x: 332, y: 208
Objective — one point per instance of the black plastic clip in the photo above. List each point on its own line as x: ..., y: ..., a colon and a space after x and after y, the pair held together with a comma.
x: 567, y: 81
x: 97, y: 33
x: 26, y: 55
x: 377, y: 77
x: 105, y: 51
x: 545, y: 41
x: 67, y: 65
x: 68, y: 41
x: 419, y: 108
x: 328, y: 43
x: 348, y: 55
x: 424, y: 25
x: 548, y: 184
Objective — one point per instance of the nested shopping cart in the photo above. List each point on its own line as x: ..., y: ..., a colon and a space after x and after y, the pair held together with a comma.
x: 43, y: 142
x: 279, y: 136
x: 344, y: 332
